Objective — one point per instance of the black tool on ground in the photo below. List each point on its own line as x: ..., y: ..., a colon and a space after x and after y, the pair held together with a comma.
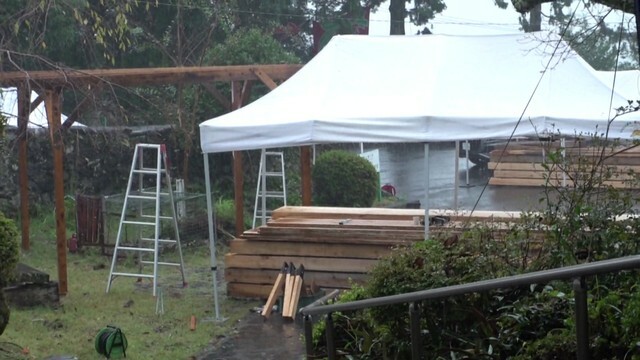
x: 111, y: 342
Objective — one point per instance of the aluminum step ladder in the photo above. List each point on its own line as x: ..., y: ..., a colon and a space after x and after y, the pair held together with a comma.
x: 270, y: 193
x: 148, y: 225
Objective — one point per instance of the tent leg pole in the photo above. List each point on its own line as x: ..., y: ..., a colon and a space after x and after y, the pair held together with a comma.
x: 212, y: 233
x: 456, y: 181
x: 426, y: 191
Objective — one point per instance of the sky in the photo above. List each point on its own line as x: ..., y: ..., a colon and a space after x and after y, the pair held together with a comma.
x: 475, y: 17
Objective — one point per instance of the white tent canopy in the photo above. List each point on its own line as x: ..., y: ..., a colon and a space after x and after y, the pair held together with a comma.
x: 625, y: 82
x: 424, y: 89
x: 398, y: 89
x: 38, y: 116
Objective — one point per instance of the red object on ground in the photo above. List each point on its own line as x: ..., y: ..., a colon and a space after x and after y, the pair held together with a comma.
x: 389, y: 189
x: 73, y: 243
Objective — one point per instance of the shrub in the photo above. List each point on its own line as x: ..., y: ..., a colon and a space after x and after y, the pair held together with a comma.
x: 9, y: 254
x: 341, y: 178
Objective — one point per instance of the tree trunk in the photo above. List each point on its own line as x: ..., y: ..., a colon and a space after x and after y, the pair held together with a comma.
x: 4, y: 312
x: 397, y: 12
x: 535, y: 18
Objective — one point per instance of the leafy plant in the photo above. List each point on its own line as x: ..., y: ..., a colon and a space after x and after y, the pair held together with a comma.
x: 9, y: 254
x: 342, y: 178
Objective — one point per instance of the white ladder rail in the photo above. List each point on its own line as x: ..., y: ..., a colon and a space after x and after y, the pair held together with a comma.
x: 262, y: 193
x: 161, y: 159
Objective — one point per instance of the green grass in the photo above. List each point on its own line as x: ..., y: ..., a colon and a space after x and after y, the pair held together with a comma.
x: 71, y: 328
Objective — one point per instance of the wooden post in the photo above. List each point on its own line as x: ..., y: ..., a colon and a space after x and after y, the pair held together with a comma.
x: 238, y: 172
x: 305, y: 169
x: 53, y: 104
x: 238, y: 191
x: 23, y: 178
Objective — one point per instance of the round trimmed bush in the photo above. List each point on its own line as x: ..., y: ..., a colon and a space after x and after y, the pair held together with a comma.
x: 342, y: 178
x: 9, y: 254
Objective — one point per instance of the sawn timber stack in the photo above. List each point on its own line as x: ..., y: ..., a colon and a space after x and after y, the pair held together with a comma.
x: 336, y: 245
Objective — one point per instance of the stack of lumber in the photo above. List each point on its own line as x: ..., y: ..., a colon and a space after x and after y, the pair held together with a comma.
x: 521, y: 165
x: 336, y: 245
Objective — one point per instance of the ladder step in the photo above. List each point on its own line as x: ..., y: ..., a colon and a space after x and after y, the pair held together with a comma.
x: 132, y: 275
x: 142, y: 197
x: 153, y: 193
x: 272, y: 173
x: 147, y: 171
x: 160, y: 240
x: 272, y: 194
x: 138, y: 223
x: 160, y: 263
x: 159, y: 217
x: 131, y: 248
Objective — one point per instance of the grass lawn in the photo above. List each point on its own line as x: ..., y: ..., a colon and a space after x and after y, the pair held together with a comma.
x: 71, y: 328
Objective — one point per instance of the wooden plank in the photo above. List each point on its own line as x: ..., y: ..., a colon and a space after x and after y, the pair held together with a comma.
x: 324, y: 279
x: 268, y: 81
x: 323, y: 212
x: 301, y: 234
x: 515, y: 166
x: 538, y: 167
x: 542, y: 182
x: 616, y: 160
x: 248, y: 291
x: 554, y: 175
x: 328, y: 240
x: 275, y: 292
x: 382, y: 214
x: 350, y: 224
x: 246, y: 247
x: 311, y: 263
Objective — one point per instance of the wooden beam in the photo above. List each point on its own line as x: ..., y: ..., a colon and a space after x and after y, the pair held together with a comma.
x: 54, y: 115
x: 149, y: 76
x: 268, y: 81
x: 238, y: 189
x: 23, y: 177
x: 247, y: 85
x: 305, y: 169
x: 238, y: 171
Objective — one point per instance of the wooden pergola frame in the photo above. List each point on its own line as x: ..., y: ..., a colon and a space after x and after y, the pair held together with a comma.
x: 49, y: 85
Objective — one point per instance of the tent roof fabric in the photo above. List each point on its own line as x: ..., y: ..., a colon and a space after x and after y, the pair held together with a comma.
x: 625, y: 82
x: 427, y: 89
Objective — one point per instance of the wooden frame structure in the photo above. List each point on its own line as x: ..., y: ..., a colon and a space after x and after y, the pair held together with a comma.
x: 49, y: 86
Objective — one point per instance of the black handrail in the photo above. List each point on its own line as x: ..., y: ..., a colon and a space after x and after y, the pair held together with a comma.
x: 575, y: 272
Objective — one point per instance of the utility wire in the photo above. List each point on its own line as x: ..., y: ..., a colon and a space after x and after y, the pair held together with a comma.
x: 544, y: 72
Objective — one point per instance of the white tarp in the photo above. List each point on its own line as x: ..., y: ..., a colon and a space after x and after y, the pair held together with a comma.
x: 38, y: 116
x: 423, y: 89
x: 625, y: 82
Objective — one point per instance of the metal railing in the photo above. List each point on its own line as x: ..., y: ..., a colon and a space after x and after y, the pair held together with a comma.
x: 576, y: 273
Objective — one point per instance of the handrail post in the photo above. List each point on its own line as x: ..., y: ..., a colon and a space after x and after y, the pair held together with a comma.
x: 308, y: 335
x: 582, y: 318
x: 416, y: 339
x: 330, y: 333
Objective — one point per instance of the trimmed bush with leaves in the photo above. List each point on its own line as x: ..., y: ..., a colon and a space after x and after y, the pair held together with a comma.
x: 342, y: 178
x: 9, y: 255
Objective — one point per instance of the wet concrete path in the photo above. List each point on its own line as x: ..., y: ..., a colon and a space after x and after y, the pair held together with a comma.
x: 256, y: 338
